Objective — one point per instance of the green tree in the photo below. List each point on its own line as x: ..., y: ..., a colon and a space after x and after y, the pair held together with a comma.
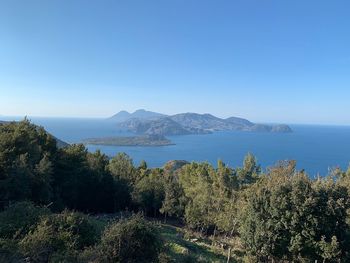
x: 286, y: 215
x: 250, y: 170
x: 121, y: 166
x: 174, y: 200
x: 42, y: 182
x: 224, y: 194
x: 24, y: 150
x: 103, y: 186
x: 149, y: 192
x: 196, y: 181
x: 72, y: 181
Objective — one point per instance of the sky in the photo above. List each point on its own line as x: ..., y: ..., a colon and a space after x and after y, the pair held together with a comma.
x: 268, y: 61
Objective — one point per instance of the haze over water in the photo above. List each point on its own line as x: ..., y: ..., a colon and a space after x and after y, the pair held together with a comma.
x: 315, y: 148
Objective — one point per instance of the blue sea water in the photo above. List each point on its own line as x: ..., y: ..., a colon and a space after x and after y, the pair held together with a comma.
x: 315, y: 148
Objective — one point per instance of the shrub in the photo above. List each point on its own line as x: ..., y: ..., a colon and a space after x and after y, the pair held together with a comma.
x: 17, y: 220
x: 133, y: 240
x: 59, y: 236
x: 9, y: 251
x: 291, y: 217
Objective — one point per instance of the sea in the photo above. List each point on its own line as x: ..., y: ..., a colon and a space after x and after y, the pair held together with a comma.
x: 317, y: 149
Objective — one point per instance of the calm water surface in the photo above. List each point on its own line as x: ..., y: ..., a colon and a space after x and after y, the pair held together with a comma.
x: 316, y: 148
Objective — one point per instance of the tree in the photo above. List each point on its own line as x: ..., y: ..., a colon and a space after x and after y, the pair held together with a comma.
x: 288, y: 216
x: 143, y: 165
x: 24, y: 151
x: 224, y: 195
x: 196, y: 181
x: 149, y: 192
x: 173, y: 203
x: 105, y: 197
x: 121, y: 167
x: 41, y: 188
x: 72, y: 181
x: 250, y: 170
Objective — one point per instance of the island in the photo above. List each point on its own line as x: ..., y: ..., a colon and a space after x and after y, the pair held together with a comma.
x: 144, y: 122
x: 144, y: 140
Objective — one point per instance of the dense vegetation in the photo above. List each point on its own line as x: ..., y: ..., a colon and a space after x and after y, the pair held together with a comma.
x: 69, y: 205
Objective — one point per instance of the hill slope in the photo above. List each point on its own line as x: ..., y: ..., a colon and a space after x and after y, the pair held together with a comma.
x: 60, y: 143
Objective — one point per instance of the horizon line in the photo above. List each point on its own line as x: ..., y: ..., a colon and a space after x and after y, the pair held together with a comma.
x: 106, y: 118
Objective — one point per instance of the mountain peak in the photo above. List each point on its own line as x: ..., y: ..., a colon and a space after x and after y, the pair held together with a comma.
x: 140, y: 111
x: 141, y: 114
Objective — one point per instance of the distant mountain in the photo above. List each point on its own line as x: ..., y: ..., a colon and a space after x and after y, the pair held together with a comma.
x: 209, y: 122
x: 139, y: 114
x: 161, y: 126
x: 145, y: 122
x: 200, y: 121
x: 239, y: 121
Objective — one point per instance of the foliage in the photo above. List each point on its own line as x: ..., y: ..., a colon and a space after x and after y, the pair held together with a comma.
x: 26, y: 156
x: 17, y: 219
x: 59, y: 235
x: 121, y: 166
x: 250, y: 170
x: 286, y: 215
x: 132, y: 240
x: 210, y: 195
x: 149, y: 192
x: 281, y: 215
x: 174, y: 200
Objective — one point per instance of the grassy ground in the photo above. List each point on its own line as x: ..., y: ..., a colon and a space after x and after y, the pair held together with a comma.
x: 188, y: 247
x: 182, y: 247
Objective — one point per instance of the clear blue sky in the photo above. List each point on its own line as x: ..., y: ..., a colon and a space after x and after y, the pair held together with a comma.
x: 269, y: 61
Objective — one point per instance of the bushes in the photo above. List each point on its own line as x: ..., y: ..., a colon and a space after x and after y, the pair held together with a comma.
x: 15, y: 223
x: 133, y: 240
x: 32, y: 232
x: 281, y: 215
x: 59, y: 235
x: 288, y: 216
x: 16, y: 220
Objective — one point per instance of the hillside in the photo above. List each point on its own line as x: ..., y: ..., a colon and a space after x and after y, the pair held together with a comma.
x: 60, y: 143
x: 146, y: 122
x: 80, y: 207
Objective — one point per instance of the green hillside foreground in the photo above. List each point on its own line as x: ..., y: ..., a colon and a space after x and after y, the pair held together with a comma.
x: 70, y: 205
x: 181, y: 249
x: 184, y: 245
